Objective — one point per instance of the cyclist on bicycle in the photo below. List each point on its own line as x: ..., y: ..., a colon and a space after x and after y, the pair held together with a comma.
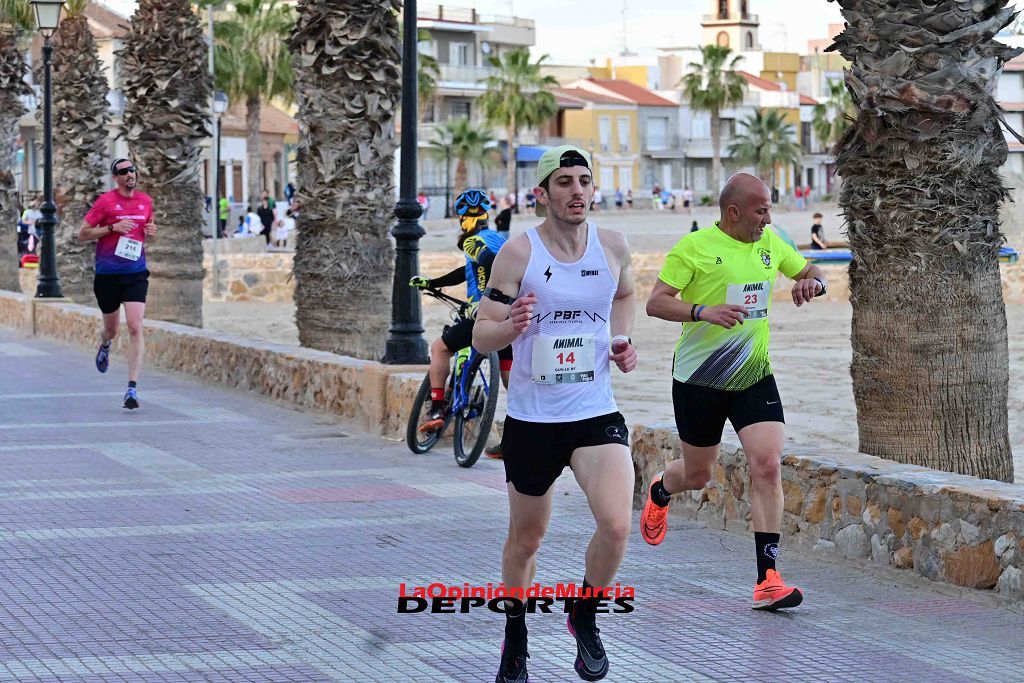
x: 480, y: 245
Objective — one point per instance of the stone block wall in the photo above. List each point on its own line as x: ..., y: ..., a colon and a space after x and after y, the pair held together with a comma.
x: 951, y: 528
x: 946, y: 527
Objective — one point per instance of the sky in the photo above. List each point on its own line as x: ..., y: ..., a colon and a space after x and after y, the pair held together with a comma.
x: 571, y: 36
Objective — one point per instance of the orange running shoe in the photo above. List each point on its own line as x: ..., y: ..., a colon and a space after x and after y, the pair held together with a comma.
x: 654, y: 519
x: 772, y: 593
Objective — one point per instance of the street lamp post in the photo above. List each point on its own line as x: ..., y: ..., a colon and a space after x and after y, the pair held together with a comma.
x: 405, y: 344
x: 448, y: 181
x: 220, y: 105
x: 48, y: 287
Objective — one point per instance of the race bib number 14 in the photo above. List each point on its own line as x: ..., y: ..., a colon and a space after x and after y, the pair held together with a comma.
x: 563, y: 360
x: 752, y: 295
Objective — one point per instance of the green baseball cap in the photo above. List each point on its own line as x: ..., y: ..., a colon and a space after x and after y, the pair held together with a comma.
x: 563, y: 156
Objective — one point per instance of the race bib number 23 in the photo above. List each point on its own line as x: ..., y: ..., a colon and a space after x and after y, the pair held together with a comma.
x: 754, y: 296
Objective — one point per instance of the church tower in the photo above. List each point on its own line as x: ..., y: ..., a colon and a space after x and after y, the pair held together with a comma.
x: 731, y: 24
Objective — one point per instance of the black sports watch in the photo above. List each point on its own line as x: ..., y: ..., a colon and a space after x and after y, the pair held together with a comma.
x: 822, y: 283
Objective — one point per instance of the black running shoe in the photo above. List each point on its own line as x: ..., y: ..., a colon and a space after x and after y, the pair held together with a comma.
x: 513, y: 663
x: 131, y: 399
x: 591, y: 661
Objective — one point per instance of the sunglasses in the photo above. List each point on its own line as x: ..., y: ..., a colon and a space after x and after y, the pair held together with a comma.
x: 124, y: 171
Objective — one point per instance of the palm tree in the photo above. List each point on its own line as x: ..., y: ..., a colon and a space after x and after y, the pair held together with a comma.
x: 348, y: 88
x: 767, y: 141
x: 253, y: 65
x: 81, y: 116
x: 711, y: 86
x: 466, y: 143
x: 517, y: 98
x: 167, y: 87
x: 429, y: 72
x: 15, y: 17
x: 833, y: 117
x: 921, y: 193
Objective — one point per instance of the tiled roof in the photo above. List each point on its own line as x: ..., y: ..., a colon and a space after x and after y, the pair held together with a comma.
x: 590, y: 96
x: 633, y: 92
x: 759, y: 82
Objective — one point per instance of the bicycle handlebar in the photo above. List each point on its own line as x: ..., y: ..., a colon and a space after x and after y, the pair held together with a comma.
x: 456, y: 304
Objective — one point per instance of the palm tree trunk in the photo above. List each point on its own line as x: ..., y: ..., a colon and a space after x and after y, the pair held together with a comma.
x: 167, y: 88
x: 510, y: 163
x: 12, y: 85
x: 921, y: 194
x: 461, y: 176
x: 80, y: 148
x: 716, y: 156
x: 348, y: 87
x: 252, y: 150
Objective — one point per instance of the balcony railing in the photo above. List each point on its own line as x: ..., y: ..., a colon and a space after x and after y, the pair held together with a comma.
x: 473, y: 75
x: 745, y: 17
x: 464, y: 15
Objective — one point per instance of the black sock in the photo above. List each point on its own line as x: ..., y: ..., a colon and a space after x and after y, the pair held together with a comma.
x: 515, y: 624
x: 659, y: 495
x: 767, y: 550
x: 132, y: 384
x: 586, y: 608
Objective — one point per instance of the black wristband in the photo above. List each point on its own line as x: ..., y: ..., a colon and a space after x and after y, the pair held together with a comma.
x: 693, y: 308
x: 822, y: 292
x: 499, y: 296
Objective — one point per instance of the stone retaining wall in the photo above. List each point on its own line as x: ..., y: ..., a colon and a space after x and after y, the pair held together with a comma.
x: 268, y: 277
x: 947, y: 527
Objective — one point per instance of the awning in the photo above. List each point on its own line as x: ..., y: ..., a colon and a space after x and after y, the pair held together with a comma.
x: 530, y: 154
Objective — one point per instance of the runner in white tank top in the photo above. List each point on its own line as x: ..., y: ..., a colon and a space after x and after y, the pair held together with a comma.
x: 562, y: 295
x: 564, y: 374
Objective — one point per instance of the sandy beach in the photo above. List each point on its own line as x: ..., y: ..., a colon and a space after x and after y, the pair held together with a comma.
x: 810, y: 346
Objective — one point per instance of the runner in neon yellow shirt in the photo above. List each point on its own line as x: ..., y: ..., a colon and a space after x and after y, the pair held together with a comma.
x: 718, y: 282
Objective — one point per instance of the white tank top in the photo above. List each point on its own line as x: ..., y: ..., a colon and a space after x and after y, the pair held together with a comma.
x: 561, y: 367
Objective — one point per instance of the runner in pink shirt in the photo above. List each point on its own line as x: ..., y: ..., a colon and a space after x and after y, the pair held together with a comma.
x: 121, y: 220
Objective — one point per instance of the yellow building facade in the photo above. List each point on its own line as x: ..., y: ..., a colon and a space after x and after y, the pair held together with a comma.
x: 608, y: 129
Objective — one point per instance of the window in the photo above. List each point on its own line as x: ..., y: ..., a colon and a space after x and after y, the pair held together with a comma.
x: 805, y: 136
x: 458, y: 54
x: 625, y: 130
x: 657, y: 133
x: 625, y: 179
x: 723, y: 9
x: 428, y: 113
x: 604, y: 125
x: 723, y: 39
x: 743, y: 9
x: 750, y: 40
x: 700, y: 179
x: 702, y: 125
x: 607, y: 178
x: 458, y: 110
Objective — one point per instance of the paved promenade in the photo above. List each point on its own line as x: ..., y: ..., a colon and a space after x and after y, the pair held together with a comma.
x: 216, y: 536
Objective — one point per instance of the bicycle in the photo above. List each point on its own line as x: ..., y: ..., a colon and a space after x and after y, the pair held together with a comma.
x: 471, y: 397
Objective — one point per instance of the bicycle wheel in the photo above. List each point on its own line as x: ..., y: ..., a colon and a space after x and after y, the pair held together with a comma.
x: 473, y: 422
x: 421, y: 442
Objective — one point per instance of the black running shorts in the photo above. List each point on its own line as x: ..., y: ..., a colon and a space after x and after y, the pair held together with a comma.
x: 701, y: 412
x: 535, y: 453
x: 113, y: 290
x: 460, y: 335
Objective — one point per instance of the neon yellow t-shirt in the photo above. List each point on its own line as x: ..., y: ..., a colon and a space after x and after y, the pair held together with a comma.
x: 709, y: 267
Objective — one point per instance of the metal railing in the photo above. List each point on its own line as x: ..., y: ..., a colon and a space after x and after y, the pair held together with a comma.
x: 463, y: 15
x: 465, y: 74
x: 745, y: 17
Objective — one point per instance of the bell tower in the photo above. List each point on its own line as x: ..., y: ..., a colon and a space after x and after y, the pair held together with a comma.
x: 731, y: 24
